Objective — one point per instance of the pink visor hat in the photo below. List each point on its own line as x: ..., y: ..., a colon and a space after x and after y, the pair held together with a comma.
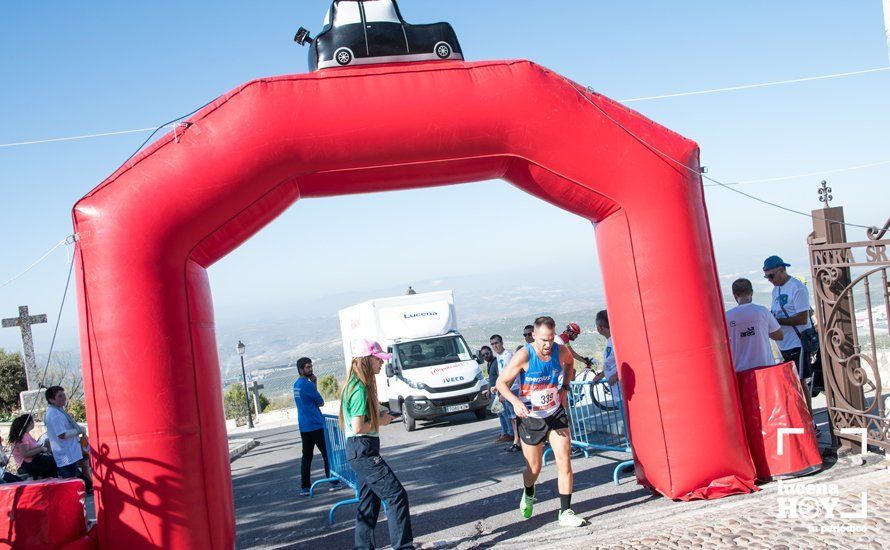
x: 367, y: 348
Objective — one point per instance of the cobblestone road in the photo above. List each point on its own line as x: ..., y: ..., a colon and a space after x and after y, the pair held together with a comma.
x: 756, y: 521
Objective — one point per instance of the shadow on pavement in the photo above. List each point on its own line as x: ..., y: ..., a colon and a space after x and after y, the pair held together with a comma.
x: 457, y: 480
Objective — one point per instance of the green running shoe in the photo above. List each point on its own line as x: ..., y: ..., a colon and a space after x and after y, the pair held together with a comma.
x: 567, y: 518
x: 527, y: 503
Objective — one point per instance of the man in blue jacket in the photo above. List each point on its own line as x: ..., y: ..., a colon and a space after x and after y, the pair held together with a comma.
x: 309, y: 403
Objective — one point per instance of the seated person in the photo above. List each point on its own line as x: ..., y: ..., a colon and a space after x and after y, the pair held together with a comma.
x: 4, y: 460
x: 33, y: 459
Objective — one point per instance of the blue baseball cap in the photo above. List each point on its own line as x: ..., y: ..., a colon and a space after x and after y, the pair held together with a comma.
x: 773, y: 262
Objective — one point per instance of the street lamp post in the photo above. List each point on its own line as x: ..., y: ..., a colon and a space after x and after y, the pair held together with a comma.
x: 241, y: 348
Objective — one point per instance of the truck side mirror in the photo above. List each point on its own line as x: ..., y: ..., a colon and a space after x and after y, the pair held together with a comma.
x: 477, y: 358
x: 389, y: 370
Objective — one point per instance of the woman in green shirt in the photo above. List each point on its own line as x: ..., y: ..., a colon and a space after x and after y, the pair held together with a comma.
x: 360, y: 417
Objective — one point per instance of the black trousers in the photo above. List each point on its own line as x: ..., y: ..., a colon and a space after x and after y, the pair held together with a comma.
x: 311, y: 440
x: 41, y: 465
x: 11, y: 478
x: 803, y: 371
x: 378, y: 482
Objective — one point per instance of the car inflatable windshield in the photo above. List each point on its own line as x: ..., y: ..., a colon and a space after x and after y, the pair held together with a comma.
x: 361, y: 32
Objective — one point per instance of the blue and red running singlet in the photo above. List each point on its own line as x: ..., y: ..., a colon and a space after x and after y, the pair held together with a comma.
x: 539, y: 385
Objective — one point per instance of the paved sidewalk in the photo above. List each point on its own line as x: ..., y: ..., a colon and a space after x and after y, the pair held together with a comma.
x: 239, y: 447
x: 755, y: 521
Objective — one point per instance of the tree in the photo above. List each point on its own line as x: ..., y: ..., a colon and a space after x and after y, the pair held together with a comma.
x: 64, y: 372
x: 235, y: 404
x: 12, y: 382
x: 328, y: 387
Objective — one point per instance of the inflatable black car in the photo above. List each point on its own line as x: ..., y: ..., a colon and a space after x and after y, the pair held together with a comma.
x: 361, y: 32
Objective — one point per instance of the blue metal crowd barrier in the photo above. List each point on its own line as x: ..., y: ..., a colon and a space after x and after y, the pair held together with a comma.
x: 341, y: 471
x: 597, y: 422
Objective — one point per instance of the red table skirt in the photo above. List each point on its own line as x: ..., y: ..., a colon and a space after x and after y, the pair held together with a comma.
x: 42, y: 514
x: 772, y: 398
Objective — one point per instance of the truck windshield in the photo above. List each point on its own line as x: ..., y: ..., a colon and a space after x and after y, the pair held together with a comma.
x: 433, y: 351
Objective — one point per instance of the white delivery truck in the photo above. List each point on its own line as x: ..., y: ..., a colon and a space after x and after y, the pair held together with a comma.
x: 432, y: 373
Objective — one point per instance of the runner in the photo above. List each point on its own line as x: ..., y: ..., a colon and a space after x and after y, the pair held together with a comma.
x: 572, y: 331
x: 542, y: 367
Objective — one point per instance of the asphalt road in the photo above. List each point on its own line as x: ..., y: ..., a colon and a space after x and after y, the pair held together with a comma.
x: 463, y: 490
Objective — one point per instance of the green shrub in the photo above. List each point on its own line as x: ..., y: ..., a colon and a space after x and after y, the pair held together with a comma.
x: 328, y: 387
x: 12, y: 382
x: 77, y: 410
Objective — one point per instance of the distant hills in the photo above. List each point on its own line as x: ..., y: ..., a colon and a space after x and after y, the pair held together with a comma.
x: 277, y: 341
x: 280, y: 339
x: 486, y: 305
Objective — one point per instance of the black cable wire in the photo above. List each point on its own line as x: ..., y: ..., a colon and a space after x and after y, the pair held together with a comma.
x: 71, y: 269
x: 177, y: 119
x: 764, y: 201
x: 695, y: 171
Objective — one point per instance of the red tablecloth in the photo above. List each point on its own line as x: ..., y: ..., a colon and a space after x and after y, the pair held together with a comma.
x: 772, y: 398
x: 42, y: 514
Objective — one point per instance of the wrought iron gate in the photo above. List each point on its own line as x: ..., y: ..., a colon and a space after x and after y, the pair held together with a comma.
x: 850, y: 286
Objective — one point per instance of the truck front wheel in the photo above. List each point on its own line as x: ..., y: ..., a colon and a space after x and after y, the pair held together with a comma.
x: 410, y: 421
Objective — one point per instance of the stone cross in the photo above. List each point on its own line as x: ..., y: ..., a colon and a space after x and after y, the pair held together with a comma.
x: 255, y: 390
x: 24, y: 321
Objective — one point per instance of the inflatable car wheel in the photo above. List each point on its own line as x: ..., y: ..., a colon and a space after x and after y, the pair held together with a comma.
x: 343, y: 56
x: 443, y: 50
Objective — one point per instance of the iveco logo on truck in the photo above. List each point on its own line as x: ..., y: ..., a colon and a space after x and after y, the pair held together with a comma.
x: 453, y: 379
x: 421, y: 314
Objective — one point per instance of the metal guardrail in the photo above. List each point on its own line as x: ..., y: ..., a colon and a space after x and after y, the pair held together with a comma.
x: 341, y: 471
x: 597, y: 422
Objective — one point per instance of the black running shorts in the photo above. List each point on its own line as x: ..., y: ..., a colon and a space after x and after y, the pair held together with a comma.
x: 533, y: 431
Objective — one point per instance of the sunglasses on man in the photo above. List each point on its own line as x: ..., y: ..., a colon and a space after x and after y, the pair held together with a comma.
x: 527, y: 334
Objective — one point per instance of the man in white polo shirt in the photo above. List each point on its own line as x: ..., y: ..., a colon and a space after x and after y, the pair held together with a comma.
x: 791, y: 307
x: 750, y: 328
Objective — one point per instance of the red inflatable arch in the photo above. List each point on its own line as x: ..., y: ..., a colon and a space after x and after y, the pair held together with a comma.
x: 149, y: 232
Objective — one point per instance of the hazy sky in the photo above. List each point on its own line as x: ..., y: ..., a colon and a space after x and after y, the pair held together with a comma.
x: 77, y: 68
